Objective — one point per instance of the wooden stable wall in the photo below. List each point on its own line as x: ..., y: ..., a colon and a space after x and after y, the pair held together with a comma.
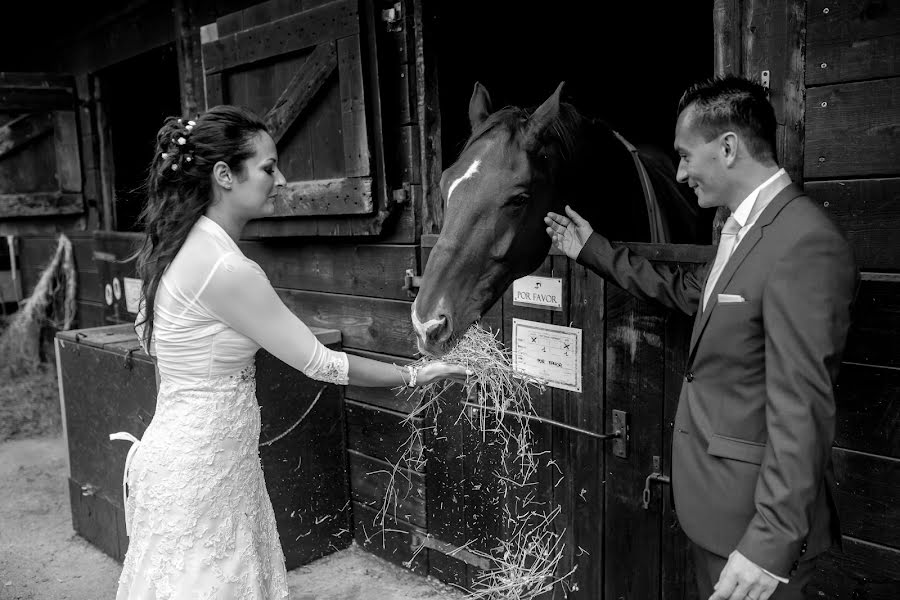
x: 851, y: 166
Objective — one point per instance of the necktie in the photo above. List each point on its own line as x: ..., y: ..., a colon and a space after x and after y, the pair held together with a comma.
x: 727, y: 242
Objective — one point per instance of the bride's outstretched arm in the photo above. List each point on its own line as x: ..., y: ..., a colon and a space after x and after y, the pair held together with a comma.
x: 239, y: 294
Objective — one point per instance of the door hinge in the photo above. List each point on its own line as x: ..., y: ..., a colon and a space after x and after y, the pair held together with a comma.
x: 411, y: 282
x: 393, y: 17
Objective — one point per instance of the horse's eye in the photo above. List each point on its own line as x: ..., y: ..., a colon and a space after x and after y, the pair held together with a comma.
x: 519, y: 200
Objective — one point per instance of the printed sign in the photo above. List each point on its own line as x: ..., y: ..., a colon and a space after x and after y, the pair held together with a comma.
x: 132, y: 293
x: 551, y: 353
x: 538, y: 292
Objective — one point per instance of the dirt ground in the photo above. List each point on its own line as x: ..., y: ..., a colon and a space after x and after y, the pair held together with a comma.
x: 41, y: 558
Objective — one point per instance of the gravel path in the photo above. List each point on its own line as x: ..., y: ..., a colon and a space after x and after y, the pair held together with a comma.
x: 41, y: 558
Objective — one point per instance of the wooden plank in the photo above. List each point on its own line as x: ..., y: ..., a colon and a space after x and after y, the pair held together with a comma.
x: 304, y: 462
x: 40, y: 204
x: 349, y: 195
x: 407, y: 155
x: 366, y: 323
x: 868, y: 212
x: 21, y: 130
x: 215, y: 90
x: 727, y: 37
x: 847, y: 41
x: 37, y: 80
x: 90, y: 164
x: 860, y: 570
x: 677, y: 559
x: 325, y: 125
x: 289, y: 34
x: 35, y: 252
x: 95, y: 519
x: 369, y: 481
x: 378, y: 433
x: 35, y: 99
x: 356, y: 269
x: 357, y: 160
x: 90, y: 314
x: 106, y: 163
x: 41, y: 226
x: 302, y: 89
x: 866, y: 494
x: 773, y: 41
x: 850, y: 129
x: 68, y: 154
x: 393, y: 542
x: 868, y: 409
x: 428, y: 113
x: 190, y: 61
x: 446, y: 506
x: 873, y: 338
x: 635, y: 373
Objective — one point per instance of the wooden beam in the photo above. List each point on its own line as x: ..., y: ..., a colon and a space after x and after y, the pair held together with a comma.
x: 40, y: 204
x: 428, y: 114
x: 289, y: 34
x: 22, y: 130
x: 347, y: 196
x: 38, y: 81
x: 190, y: 67
x: 301, y: 90
x: 357, y: 161
x: 68, y: 156
x: 728, y: 46
x: 36, y: 99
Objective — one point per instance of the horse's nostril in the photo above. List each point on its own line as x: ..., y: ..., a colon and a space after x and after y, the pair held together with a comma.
x: 439, y: 329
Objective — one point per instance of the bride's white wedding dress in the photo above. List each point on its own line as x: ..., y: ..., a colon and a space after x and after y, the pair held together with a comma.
x: 199, y: 519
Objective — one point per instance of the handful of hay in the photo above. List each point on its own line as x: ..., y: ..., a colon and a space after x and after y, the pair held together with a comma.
x: 51, y: 302
x: 525, y: 563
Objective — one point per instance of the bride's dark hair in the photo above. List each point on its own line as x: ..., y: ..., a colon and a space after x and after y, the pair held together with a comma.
x: 179, y: 186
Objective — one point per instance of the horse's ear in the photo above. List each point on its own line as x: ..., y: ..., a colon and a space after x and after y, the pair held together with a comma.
x: 479, y: 106
x: 542, y: 118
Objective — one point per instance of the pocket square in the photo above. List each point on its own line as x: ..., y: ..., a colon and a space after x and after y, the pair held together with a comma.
x: 730, y: 298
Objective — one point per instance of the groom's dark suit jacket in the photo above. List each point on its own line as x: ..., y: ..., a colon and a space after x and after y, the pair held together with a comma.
x: 751, y: 465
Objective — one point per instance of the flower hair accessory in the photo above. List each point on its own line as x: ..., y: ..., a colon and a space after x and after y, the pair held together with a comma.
x: 180, y: 149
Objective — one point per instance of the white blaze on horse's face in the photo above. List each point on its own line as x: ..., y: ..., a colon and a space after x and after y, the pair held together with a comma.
x: 470, y: 172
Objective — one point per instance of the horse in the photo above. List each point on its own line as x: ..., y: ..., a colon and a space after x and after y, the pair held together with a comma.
x: 515, y: 167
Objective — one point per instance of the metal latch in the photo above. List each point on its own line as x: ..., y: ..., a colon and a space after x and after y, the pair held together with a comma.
x: 393, y: 17
x: 657, y: 476
x: 411, y: 281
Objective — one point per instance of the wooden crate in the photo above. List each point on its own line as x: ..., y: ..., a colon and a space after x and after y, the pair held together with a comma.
x: 107, y: 385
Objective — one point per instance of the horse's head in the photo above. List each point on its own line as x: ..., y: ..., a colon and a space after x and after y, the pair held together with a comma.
x: 496, y: 195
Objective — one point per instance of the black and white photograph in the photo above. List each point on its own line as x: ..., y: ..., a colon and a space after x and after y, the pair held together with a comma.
x: 434, y: 300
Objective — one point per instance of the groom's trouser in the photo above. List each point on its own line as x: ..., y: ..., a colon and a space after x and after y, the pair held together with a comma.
x: 708, y: 566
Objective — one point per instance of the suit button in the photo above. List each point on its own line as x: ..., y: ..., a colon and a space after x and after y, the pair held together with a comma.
x: 689, y: 377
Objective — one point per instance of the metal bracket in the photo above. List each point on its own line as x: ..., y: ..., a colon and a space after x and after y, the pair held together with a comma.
x: 456, y: 552
x: 622, y: 425
x: 764, y: 79
x: 393, y: 17
x: 411, y: 281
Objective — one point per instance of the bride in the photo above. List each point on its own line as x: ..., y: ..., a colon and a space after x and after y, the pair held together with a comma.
x: 198, y: 516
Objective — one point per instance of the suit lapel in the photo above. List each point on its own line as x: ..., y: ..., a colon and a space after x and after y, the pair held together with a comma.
x: 741, y: 252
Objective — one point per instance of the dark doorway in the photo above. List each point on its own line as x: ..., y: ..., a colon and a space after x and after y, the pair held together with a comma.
x: 138, y: 94
x: 626, y: 63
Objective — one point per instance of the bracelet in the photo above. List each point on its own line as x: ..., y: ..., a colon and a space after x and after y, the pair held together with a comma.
x: 413, y: 372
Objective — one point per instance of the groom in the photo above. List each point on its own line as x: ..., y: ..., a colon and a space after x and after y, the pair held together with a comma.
x: 751, y: 471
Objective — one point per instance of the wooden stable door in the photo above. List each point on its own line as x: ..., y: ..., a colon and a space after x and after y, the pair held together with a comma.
x: 40, y: 158
x: 308, y: 69
x: 633, y: 363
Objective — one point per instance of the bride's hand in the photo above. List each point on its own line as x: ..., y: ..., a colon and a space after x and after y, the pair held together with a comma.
x: 441, y: 370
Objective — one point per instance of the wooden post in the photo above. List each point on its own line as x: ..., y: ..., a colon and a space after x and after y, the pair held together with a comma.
x: 728, y: 47
x: 190, y: 68
x: 106, y: 164
x: 429, y: 117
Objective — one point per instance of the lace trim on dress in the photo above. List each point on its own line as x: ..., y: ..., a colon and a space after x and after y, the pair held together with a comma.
x: 334, y: 369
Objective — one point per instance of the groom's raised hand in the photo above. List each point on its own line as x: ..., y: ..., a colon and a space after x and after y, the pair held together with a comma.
x: 569, y: 233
